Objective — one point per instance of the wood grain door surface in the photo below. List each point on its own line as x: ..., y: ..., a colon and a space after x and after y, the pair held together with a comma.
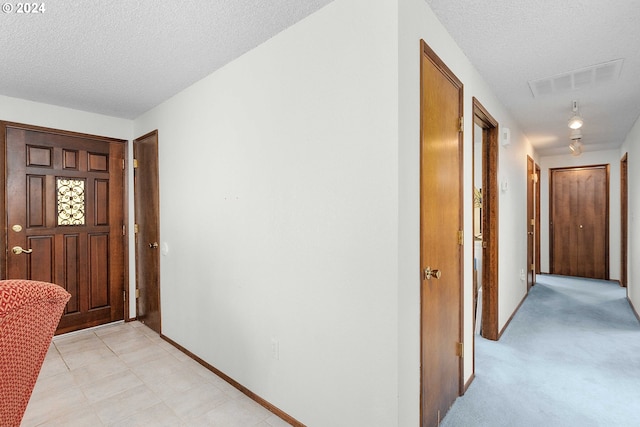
x: 440, y: 223
x: 531, y: 271
x: 65, y: 208
x: 536, y: 244
x: 624, y: 220
x: 147, y: 236
x: 580, y: 222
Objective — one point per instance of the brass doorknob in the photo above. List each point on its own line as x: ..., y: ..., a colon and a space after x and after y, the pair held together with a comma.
x: 429, y: 273
x: 153, y: 245
x: 18, y: 250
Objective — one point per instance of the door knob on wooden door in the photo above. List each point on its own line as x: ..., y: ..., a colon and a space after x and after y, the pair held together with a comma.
x: 429, y: 273
x: 18, y: 250
x: 153, y: 245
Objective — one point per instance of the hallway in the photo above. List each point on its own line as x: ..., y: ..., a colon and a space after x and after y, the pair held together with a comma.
x: 568, y: 358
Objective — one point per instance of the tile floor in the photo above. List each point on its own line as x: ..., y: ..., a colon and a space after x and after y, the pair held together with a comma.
x: 125, y: 375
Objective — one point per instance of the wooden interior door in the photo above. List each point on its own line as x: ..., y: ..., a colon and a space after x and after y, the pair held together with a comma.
x: 536, y: 243
x: 440, y: 237
x: 65, y: 218
x: 147, y: 206
x: 579, y: 226
x: 624, y: 219
x: 531, y: 224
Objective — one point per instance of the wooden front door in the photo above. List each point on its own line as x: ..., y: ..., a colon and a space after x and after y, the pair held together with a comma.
x: 145, y: 151
x: 440, y: 237
x: 65, y: 218
x: 579, y: 228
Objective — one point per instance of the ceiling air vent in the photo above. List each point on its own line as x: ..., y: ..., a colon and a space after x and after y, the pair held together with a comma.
x: 577, y: 79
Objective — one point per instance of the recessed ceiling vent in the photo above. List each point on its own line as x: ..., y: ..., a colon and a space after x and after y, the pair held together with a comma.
x: 577, y: 79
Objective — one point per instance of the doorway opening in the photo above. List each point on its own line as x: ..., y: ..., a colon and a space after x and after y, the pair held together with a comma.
x: 532, y: 180
x: 485, y: 220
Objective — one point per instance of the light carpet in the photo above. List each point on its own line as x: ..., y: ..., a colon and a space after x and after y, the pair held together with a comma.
x: 570, y: 357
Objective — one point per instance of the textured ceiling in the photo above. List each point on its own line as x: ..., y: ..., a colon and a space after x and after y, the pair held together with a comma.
x: 122, y: 58
x: 513, y: 42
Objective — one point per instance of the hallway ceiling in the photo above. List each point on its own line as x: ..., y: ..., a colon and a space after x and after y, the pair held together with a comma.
x: 122, y: 58
x: 512, y: 43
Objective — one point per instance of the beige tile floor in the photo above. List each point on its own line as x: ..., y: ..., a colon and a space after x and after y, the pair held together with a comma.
x: 125, y: 375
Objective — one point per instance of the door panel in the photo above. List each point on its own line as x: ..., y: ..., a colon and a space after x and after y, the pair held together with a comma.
x: 65, y: 204
x: 440, y: 223
x: 580, y: 222
x: 537, y: 229
x: 148, y: 235
x: 624, y: 218
x: 531, y: 271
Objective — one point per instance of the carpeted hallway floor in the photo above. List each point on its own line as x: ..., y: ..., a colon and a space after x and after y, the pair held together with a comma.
x: 570, y: 357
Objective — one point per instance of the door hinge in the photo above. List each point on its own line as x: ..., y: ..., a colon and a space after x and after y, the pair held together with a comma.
x: 135, y: 163
x: 137, y: 292
x: 124, y: 230
x: 533, y: 221
x: 124, y: 296
x: 461, y: 237
x: 122, y: 164
x: 533, y: 267
x: 461, y: 124
x: 460, y: 349
x: 135, y: 228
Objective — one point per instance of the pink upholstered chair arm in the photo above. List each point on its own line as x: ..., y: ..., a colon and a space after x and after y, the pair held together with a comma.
x: 29, y: 315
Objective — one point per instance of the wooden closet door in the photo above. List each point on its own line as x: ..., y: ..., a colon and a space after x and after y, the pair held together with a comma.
x: 440, y: 248
x: 580, y: 222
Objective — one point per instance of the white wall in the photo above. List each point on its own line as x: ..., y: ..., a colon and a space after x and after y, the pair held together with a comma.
x: 610, y: 157
x: 278, y: 192
x: 632, y: 147
x: 417, y: 22
x: 51, y: 116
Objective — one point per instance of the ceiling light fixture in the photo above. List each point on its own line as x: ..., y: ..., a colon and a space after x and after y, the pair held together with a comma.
x: 576, y: 134
x: 575, y: 122
x: 576, y: 147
